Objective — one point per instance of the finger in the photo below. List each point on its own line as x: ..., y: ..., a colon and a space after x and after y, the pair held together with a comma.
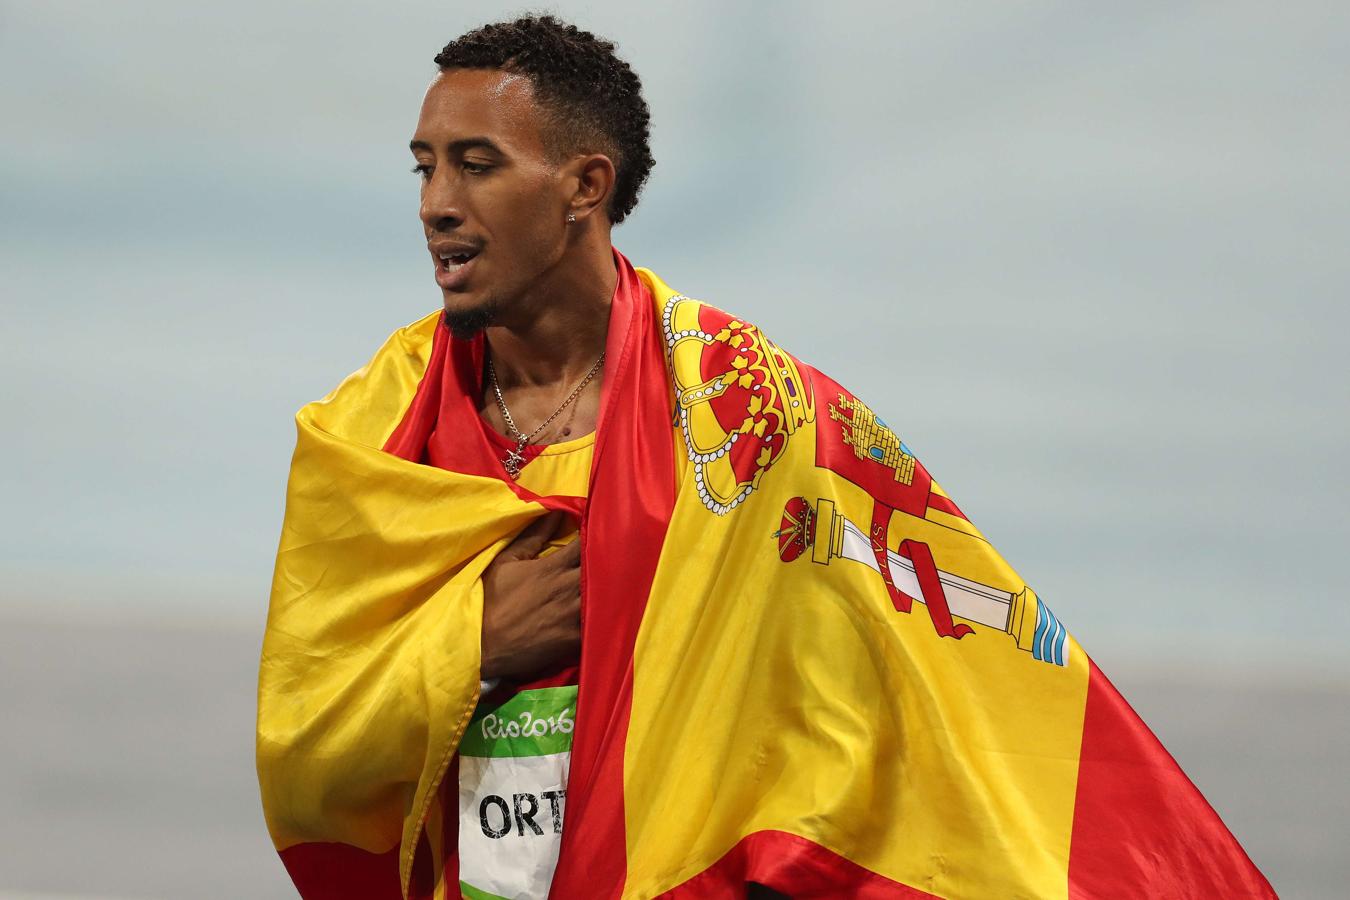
x: 560, y: 615
x: 568, y: 556
x: 534, y: 537
x: 572, y: 616
x: 563, y: 522
x: 565, y: 588
x: 566, y: 618
x: 572, y: 610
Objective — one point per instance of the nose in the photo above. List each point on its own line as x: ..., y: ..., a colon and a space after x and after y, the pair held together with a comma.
x: 441, y: 208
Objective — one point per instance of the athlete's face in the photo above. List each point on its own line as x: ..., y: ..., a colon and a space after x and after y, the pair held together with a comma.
x: 494, y: 201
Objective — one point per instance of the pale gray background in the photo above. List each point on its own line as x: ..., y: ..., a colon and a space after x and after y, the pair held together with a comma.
x: 1089, y: 259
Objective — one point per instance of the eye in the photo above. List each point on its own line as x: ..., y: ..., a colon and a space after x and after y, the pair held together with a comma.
x: 423, y: 170
x: 474, y: 168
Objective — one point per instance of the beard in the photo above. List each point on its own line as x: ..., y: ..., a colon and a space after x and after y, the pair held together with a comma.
x: 464, y: 324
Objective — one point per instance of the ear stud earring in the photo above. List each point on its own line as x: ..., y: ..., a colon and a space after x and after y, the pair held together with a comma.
x: 571, y: 218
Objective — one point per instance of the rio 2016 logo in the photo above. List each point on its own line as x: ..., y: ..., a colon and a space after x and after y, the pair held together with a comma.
x: 526, y: 725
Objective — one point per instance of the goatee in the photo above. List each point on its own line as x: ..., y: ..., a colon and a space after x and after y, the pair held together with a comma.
x: 466, y: 323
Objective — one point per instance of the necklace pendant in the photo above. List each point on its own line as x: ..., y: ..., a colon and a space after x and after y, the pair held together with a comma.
x: 514, y: 460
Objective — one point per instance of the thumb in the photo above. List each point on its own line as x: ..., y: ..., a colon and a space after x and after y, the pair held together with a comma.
x: 534, y: 537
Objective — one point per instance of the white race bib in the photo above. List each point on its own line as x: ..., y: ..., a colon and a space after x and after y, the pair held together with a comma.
x: 512, y: 791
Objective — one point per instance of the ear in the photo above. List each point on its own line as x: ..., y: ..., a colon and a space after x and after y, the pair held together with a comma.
x: 594, y: 182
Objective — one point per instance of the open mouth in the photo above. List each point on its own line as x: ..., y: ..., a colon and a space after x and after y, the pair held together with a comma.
x: 450, y: 262
x: 455, y: 264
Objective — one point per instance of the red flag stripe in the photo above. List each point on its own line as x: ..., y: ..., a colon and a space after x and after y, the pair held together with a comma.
x: 1139, y: 822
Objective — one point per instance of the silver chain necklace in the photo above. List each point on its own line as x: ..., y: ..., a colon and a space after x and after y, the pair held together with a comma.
x: 516, y: 458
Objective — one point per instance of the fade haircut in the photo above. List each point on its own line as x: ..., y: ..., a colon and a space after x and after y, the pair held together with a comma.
x: 591, y: 97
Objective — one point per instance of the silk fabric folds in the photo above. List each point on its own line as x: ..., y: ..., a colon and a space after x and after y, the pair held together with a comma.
x: 801, y: 664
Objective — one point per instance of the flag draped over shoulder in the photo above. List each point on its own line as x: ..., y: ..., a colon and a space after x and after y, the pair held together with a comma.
x: 801, y: 664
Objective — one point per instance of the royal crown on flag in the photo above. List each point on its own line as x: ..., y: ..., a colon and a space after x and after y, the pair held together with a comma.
x: 740, y: 398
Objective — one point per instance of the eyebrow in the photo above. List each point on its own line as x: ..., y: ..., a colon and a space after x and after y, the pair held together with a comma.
x: 459, y: 146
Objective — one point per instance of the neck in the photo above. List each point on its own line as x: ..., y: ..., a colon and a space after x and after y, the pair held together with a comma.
x: 564, y: 323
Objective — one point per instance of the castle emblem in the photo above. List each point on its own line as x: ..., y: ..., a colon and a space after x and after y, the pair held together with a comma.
x: 871, y: 439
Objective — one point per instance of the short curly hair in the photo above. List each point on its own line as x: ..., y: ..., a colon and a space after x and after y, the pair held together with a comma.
x: 592, y: 97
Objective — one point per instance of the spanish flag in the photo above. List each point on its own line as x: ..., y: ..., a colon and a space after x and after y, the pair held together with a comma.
x: 802, y: 666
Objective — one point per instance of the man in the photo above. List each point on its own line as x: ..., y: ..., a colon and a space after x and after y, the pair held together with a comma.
x: 722, y: 680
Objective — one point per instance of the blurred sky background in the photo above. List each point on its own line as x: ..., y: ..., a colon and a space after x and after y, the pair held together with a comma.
x: 1090, y: 260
